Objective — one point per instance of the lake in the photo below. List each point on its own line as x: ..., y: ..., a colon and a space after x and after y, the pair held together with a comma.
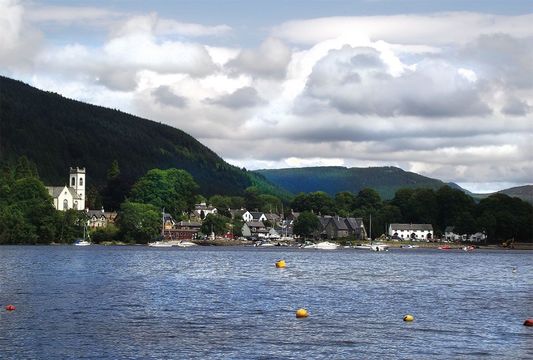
x: 135, y: 302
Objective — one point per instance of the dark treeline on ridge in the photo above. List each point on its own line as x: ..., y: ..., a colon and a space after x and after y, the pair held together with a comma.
x: 55, y: 132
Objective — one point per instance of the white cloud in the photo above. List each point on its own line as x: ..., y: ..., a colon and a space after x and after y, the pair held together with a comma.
x: 434, y: 29
x: 447, y: 95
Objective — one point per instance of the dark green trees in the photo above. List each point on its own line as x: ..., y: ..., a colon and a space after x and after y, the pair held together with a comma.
x: 172, y: 189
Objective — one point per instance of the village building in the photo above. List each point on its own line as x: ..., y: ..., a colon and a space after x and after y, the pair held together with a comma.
x: 253, y: 216
x: 183, y: 230
x: 100, y: 218
x: 254, y: 229
x: 416, y: 232
x: 71, y: 196
x: 451, y: 235
x: 202, y: 210
x: 336, y: 227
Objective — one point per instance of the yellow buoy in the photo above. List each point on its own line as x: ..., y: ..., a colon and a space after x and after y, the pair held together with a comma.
x: 302, y: 313
x: 280, y: 263
x: 408, y: 317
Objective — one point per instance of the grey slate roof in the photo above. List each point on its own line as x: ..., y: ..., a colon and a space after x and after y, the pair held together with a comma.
x: 55, y: 191
x: 412, y: 227
x: 339, y: 223
x: 255, y: 224
x: 354, y: 223
x: 256, y: 214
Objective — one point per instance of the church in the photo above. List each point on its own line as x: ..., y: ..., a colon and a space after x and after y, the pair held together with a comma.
x: 71, y: 196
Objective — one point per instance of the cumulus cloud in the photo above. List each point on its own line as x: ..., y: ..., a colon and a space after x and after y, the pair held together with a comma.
x: 447, y: 95
x: 269, y: 60
x: 241, y: 98
x: 357, y: 80
x: 19, y: 42
x: 165, y: 96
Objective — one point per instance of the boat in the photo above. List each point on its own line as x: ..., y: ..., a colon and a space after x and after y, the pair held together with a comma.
x: 160, y: 244
x: 469, y: 248
x: 186, y: 244
x: 445, y: 247
x: 379, y: 247
x: 84, y: 241
x: 326, y: 245
x: 409, y: 246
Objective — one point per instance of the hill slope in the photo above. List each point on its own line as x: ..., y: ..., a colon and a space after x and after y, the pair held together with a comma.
x: 57, y: 133
x: 334, y: 179
x: 522, y: 192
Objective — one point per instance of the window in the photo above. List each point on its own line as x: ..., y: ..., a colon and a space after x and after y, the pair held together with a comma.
x: 73, y: 182
x: 65, y: 204
x: 81, y: 181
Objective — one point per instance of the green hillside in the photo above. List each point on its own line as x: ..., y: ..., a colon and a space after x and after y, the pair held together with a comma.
x: 524, y: 193
x: 334, y: 179
x: 56, y: 133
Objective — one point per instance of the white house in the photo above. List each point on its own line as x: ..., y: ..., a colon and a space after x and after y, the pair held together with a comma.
x: 253, y: 216
x: 203, y: 208
x: 71, y: 196
x: 418, y: 232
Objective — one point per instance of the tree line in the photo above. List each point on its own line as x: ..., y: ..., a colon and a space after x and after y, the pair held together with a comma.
x: 28, y: 216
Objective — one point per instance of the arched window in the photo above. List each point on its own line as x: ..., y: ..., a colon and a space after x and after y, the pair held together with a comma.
x: 65, y: 204
x: 81, y: 181
x: 73, y: 181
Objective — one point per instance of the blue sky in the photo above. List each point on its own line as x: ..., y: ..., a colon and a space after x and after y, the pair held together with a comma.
x: 442, y: 88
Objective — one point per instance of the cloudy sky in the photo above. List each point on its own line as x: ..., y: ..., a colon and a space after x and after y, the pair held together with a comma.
x: 441, y: 88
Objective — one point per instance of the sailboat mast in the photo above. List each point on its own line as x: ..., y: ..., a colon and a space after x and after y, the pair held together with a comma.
x: 370, y: 229
x: 163, y: 224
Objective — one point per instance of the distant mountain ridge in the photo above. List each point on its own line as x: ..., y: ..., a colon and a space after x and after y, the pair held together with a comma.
x: 333, y: 179
x: 56, y: 133
x: 524, y: 193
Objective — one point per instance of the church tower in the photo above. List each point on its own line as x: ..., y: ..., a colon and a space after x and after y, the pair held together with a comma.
x: 77, y: 184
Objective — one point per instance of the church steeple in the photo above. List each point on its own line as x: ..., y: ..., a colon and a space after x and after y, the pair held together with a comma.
x: 77, y: 183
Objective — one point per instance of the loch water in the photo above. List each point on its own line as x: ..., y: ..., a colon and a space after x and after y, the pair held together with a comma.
x: 136, y: 302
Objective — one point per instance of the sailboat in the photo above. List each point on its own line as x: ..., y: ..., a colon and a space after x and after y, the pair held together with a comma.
x: 375, y: 246
x: 161, y: 243
x: 84, y: 241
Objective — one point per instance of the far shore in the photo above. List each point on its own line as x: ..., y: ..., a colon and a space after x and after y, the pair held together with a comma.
x: 391, y: 244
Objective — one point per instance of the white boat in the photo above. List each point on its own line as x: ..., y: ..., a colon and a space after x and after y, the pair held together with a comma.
x: 326, y: 245
x: 379, y: 247
x: 160, y: 244
x: 81, y: 242
x: 186, y: 244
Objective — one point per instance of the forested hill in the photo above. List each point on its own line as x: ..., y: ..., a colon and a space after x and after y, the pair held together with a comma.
x: 334, y: 179
x: 56, y: 133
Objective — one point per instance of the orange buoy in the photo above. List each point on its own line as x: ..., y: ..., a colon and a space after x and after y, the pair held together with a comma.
x: 528, y: 322
x: 302, y: 313
x: 10, y: 307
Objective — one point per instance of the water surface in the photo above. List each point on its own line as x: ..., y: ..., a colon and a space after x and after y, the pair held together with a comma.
x: 232, y: 303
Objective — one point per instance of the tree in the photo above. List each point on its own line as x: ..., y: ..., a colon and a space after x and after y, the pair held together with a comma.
x: 172, y: 189
x: 368, y: 200
x: 270, y: 203
x: 215, y: 223
x: 306, y: 224
x: 344, y: 203
x: 139, y: 222
x: 116, y: 189
x: 251, y: 199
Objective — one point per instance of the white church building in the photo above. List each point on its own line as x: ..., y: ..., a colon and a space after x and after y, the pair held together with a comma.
x: 71, y: 196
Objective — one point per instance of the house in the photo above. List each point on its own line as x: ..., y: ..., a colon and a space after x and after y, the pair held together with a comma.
x: 253, y: 216
x: 417, y: 232
x: 202, y: 210
x: 254, y: 229
x: 100, y: 218
x: 71, y: 196
x: 450, y: 235
x: 183, y: 230
x: 292, y: 217
x: 272, y: 218
x: 356, y: 228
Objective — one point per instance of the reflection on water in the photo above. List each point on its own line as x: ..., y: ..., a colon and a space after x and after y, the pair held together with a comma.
x: 233, y: 303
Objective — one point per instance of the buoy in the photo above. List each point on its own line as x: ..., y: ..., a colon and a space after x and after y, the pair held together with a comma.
x: 280, y: 264
x: 10, y: 307
x: 528, y: 322
x: 408, y: 317
x: 302, y: 313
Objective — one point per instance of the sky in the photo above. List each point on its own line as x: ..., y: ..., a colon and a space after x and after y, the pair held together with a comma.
x: 440, y: 88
